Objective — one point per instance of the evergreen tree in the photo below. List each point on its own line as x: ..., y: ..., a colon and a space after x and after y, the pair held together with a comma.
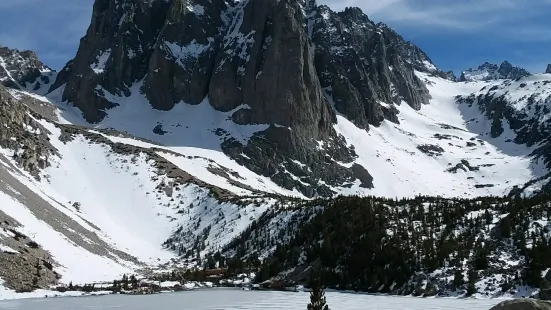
x: 471, y: 287
x: 134, y: 281
x: 458, y: 278
x: 317, y: 296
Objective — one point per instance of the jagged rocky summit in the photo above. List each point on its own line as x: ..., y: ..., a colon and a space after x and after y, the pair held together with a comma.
x: 23, y: 70
x: 488, y: 72
x: 288, y: 64
x: 548, y: 69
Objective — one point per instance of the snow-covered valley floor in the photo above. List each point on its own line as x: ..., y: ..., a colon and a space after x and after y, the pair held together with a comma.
x: 224, y: 299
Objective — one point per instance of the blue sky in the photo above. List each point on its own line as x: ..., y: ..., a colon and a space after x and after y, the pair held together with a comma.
x: 455, y: 34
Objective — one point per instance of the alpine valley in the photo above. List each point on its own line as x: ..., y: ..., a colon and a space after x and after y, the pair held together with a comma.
x: 272, y: 136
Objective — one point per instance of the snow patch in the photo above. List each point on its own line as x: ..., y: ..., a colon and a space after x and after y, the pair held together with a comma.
x: 99, y: 65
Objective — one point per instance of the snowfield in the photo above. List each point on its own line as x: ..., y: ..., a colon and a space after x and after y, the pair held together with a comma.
x: 400, y: 169
x: 225, y: 299
x: 399, y: 157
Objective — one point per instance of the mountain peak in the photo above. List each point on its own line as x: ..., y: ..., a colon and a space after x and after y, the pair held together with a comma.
x: 548, y: 69
x: 22, y: 69
x: 489, y: 71
x: 232, y: 58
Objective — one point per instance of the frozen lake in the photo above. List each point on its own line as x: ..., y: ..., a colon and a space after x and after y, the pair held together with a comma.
x: 225, y: 299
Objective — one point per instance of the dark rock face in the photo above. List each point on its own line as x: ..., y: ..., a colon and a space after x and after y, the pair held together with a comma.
x: 451, y: 76
x: 548, y: 69
x: 113, y: 54
x: 488, y: 72
x: 183, y: 57
x: 361, y: 64
x: 522, y: 304
x: 23, y: 69
x: 267, y: 64
x: 284, y: 63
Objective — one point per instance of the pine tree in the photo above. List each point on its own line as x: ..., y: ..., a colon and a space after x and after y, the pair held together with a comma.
x: 134, y: 281
x: 317, y: 296
x: 125, y: 282
x: 458, y: 278
x: 471, y: 287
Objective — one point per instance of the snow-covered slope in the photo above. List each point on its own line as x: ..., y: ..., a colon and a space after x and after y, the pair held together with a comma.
x: 434, y: 151
x: 519, y: 113
x: 142, y: 178
x: 103, y: 205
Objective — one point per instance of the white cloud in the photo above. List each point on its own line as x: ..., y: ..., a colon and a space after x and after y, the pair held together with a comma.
x: 53, y: 28
x: 500, y: 17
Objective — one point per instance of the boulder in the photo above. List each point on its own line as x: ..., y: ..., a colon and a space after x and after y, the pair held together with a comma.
x: 523, y: 304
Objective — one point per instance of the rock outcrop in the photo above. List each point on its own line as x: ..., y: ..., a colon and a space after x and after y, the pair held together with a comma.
x: 23, y: 70
x: 450, y: 75
x: 287, y: 64
x: 21, y: 134
x: 523, y: 304
x: 548, y: 69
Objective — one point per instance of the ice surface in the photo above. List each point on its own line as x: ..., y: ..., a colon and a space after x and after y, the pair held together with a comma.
x: 229, y: 299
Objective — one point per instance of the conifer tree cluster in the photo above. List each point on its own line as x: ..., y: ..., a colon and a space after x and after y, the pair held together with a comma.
x: 385, y: 245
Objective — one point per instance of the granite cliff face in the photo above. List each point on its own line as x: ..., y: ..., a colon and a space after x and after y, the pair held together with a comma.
x: 364, y: 66
x: 287, y: 64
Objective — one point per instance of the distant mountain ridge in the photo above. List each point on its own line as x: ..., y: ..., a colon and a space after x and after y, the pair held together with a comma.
x: 489, y: 72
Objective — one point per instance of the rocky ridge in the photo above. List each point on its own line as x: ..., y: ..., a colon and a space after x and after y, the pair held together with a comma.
x: 489, y: 72
x: 23, y: 135
x: 23, y: 70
